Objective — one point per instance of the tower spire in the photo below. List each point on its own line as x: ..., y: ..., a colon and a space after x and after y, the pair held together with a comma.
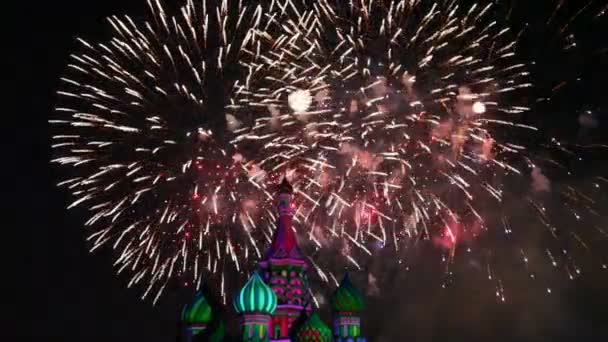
x: 284, y: 242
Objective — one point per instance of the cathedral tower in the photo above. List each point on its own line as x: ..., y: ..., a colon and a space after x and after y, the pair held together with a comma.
x: 284, y: 269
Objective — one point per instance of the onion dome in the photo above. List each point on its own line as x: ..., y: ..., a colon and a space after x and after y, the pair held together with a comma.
x: 255, y: 297
x: 198, y: 313
x: 219, y: 333
x: 347, y: 298
x: 314, y: 330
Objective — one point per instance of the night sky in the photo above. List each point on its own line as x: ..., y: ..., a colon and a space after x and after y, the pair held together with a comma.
x: 63, y: 293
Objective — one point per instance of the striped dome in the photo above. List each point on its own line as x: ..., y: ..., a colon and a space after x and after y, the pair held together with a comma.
x: 198, y: 312
x: 347, y: 297
x: 314, y: 330
x: 255, y: 296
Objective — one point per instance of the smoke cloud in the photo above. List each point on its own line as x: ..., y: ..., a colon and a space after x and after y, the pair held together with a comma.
x: 540, y: 182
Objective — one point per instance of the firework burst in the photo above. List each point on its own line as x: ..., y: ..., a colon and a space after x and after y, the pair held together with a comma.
x: 397, y: 122
x: 402, y: 121
x: 142, y: 129
x: 389, y: 110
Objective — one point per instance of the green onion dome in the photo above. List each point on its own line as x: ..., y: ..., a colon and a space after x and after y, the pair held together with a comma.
x: 347, y: 298
x: 255, y: 297
x: 219, y: 333
x: 314, y: 330
x: 198, y: 312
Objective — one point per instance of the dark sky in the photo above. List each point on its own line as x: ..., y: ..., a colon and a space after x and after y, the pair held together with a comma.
x: 62, y: 293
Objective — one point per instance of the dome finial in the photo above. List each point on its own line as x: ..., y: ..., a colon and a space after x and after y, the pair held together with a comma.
x: 285, y: 187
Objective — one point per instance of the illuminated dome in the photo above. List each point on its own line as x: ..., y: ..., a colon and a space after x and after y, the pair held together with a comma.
x: 255, y: 297
x: 347, y: 297
x: 197, y: 314
x: 314, y: 330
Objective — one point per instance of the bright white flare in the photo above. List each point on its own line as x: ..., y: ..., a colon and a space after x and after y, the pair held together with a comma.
x: 479, y: 107
x: 299, y: 101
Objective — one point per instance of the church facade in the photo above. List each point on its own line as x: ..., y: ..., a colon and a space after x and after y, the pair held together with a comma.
x: 276, y: 303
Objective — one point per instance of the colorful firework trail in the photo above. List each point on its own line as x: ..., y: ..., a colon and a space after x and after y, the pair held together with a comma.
x: 398, y: 122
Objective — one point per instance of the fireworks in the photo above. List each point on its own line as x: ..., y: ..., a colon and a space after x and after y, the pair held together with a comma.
x: 414, y: 131
x: 141, y: 115
x: 397, y: 121
x: 394, y: 143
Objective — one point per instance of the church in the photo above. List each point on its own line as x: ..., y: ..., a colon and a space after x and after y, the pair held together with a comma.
x: 276, y: 304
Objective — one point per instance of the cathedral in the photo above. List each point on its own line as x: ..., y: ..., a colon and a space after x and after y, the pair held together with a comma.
x: 276, y: 304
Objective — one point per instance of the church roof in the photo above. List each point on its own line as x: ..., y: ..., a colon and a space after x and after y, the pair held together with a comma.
x: 198, y: 312
x: 314, y: 330
x: 347, y: 298
x: 255, y: 297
